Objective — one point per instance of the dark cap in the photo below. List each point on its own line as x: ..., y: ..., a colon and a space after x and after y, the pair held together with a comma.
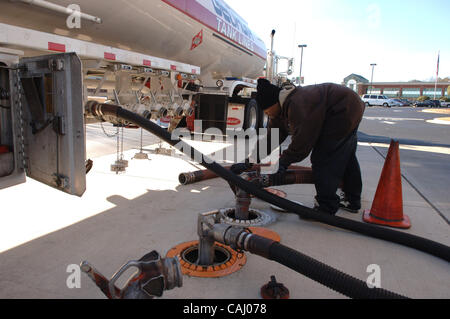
x: 267, y: 94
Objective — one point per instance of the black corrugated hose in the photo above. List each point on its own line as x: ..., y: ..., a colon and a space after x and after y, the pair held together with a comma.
x: 316, y: 270
x: 412, y: 241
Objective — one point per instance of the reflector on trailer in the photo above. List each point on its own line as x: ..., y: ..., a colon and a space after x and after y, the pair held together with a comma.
x: 52, y: 46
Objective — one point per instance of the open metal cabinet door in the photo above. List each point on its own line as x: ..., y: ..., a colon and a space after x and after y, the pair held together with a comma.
x: 11, y: 166
x: 51, y: 102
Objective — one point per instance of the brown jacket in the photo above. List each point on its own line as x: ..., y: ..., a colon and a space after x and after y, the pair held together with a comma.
x: 326, y: 110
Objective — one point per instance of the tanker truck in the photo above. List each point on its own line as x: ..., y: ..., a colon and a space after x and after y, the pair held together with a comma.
x: 171, y: 61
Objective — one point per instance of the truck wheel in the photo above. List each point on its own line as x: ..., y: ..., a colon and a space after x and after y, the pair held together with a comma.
x: 264, y: 120
x: 252, y: 115
x: 367, y: 104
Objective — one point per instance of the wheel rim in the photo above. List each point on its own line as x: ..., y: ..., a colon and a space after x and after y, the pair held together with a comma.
x: 252, y: 119
x: 265, y: 120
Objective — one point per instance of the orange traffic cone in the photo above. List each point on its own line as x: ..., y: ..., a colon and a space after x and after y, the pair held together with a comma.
x: 387, y: 206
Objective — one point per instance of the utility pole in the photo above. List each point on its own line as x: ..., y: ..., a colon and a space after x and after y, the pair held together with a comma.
x: 437, y: 76
x: 301, y: 46
x: 371, y: 79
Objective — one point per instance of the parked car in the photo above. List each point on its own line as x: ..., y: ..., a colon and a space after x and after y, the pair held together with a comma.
x: 400, y: 102
x: 445, y: 104
x: 426, y: 103
x: 379, y: 100
x: 436, y: 103
x: 406, y: 102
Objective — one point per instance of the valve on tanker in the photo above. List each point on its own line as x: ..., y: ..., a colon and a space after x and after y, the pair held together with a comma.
x: 187, y: 109
x: 154, y: 275
x: 183, y: 109
x: 177, y: 110
x: 173, y: 106
x: 155, y: 110
x: 141, y: 109
x: 137, y: 108
x: 158, y: 110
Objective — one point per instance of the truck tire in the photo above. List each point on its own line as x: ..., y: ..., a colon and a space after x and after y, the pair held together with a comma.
x: 252, y: 117
x: 264, y: 120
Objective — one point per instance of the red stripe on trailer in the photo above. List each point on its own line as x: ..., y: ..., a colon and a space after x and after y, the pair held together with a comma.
x: 173, y: 67
x: 147, y: 63
x: 110, y: 56
x: 52, y: 46
x: 201, y: 14
x: 235, y: 108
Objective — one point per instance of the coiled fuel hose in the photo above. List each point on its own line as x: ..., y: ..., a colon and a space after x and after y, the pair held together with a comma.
x: 305, y: 265
x: 425, y: 245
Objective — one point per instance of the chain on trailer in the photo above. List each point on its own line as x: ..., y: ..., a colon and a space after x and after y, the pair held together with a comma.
x: 17, y: 105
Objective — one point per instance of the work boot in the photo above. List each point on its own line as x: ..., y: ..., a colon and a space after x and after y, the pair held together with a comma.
x: 349, y: 206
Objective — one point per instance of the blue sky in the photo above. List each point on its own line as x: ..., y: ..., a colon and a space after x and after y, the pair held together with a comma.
x: 346, y: 36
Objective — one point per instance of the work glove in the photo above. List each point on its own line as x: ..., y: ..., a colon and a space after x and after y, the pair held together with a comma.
x: 239, y: 168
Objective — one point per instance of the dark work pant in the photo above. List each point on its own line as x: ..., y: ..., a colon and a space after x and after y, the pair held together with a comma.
x: 333, y: 163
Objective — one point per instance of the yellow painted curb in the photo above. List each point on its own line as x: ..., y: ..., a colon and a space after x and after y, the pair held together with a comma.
x: 437, y: 111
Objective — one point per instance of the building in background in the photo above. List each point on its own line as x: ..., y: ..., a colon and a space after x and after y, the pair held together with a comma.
x: 407, y: 90
x: 355, y: 81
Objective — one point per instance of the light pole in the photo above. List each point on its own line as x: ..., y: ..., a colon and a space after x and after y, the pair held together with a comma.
x: 371, y: 79
x: 301, y: 46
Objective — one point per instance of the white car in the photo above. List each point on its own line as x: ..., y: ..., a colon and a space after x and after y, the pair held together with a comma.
x: 379, y: 100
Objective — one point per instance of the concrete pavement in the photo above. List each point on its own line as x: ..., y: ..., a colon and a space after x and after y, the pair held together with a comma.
x: 424, y: 147
x: 122, y: 217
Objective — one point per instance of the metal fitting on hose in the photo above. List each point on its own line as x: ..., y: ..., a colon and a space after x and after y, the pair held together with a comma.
x: 154, y: 275
x: 210, y: 230
x: 243, y: 201
x: 235, y: 237
x: 265, y: 180
x: 238, y: 238
x: 92, y: 108
x: 187, y: 178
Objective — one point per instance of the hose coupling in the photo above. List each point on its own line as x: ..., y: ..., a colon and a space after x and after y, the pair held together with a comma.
x: 93, y: 108
x: 232, y: 236
x: 210, y: 229
x: 154, y: 275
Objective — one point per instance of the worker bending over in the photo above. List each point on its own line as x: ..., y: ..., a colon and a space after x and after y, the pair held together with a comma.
x: 323, y: 119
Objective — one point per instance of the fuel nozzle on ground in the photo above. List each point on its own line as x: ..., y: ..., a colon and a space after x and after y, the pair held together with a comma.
x: 154, y: 275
